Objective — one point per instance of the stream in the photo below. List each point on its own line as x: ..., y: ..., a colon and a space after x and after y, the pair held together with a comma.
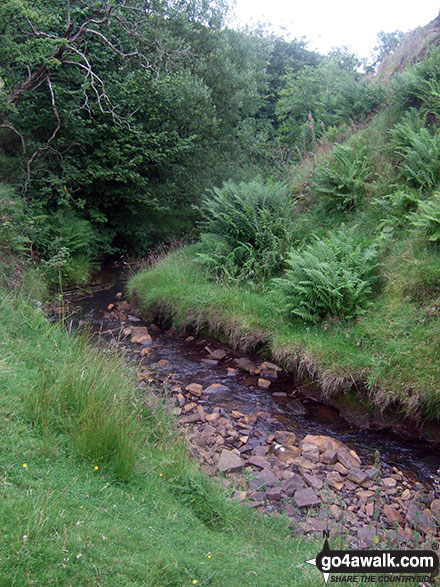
x: 188, y: 359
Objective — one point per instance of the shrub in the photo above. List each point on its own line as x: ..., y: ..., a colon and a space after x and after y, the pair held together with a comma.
x: 247, y: 229
x: 341, y: 181
x: 427, y: 218
x: 419, y: 150
x: 333, y: 276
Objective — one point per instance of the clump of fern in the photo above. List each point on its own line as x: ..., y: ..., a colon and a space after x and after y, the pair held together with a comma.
x: 396, y: 207
x: 418, y: 150
x: 329, y: 277
x: 246, y: 229
x: 427, y: 218
x: 341, y: 181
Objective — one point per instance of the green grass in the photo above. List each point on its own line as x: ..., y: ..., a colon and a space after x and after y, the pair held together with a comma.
x: 64, y: 522
x: 390, y: 354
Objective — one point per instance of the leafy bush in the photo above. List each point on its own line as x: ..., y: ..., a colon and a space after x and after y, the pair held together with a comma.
x: 342, y: 179
x: 247, y: 229
x: 427, y: 218
x: 418, y: 149
x: 333, y: 276
x: 63, y: 229
x: 334, y: 92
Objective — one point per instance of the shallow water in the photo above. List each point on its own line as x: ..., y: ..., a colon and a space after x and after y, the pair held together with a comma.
x: 286, y: 404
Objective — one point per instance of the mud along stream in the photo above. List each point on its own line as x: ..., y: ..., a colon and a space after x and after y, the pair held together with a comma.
x: 235, y: 422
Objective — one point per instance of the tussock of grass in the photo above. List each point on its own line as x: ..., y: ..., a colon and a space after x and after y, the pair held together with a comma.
x: 390, y: 355
x: 64, y: 521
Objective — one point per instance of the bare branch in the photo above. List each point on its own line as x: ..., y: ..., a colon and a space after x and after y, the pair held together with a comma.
x: 69, y: 19
x: 21, y: 137
x: 49, y: 140
x: 115, y: 49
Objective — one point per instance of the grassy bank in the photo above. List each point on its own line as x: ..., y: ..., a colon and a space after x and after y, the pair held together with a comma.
x: 390, y: 353
x: 97, y: 488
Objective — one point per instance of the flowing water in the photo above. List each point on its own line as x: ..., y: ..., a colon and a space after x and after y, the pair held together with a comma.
x: 286, y: 404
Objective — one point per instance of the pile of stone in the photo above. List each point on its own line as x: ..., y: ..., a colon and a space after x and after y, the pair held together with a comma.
x: 317, y: 480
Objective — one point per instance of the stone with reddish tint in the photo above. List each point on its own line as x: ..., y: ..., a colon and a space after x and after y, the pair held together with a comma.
x: 260, y: 451
x: 389, y: 482
x: 305, y: 498
x: 229, y: 461
x: 285, y: 437
x: 418, y: 519
x: 393, y: 515
x: 313, y: 481
x: 292, y: 484
x: 287, y: 455
x: 263, y: 383
x: 201, y: 413
x: 328, y: 457
x: 246, y: 364
x: 291, y: 511
x: 357, y: 476
x: 258, y: 462
x: 304, y: 463
x: 435, y: 507
x: 218, y: 354
x: 310, y: 452
x: 346, y: 459
x: 191, y: 419
x: 341, y: 469
x: 217, y: 388
x: 335, y: 512
x: 140, y: 335
x: 264, y: 478
x: 274, y: 494
x: 334, y: 479
x: 190, y: 406
x: 195, y: 389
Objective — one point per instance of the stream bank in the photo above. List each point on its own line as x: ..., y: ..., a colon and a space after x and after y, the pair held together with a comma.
x: 278, y: 450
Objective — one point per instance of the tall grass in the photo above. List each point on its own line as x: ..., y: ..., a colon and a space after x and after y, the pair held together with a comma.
x: 63, y: 522
x: 67, y: 388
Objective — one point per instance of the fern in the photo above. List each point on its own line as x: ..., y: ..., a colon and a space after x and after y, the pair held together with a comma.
x: 246, y: 229
x: 427, y: 218
x: 341, y: 181
x: 418, y: 149
x: 334, y: 276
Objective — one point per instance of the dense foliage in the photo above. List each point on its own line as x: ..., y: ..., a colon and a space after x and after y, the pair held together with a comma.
x: 341, y: 181
x: 328, y: 277
x: 246, y: 229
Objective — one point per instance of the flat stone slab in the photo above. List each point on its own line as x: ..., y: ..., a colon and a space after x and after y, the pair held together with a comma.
x: 218, y: 354
x: 305, y: 498
x: 313, y: 481
x: 217, y: 388
x: 246, y: 365
x: 293, y: 484
x: 229, y: 461
x: 274, y: 494
x: 258, y: 462
x: 357, y: 476
x: 263, y: 479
